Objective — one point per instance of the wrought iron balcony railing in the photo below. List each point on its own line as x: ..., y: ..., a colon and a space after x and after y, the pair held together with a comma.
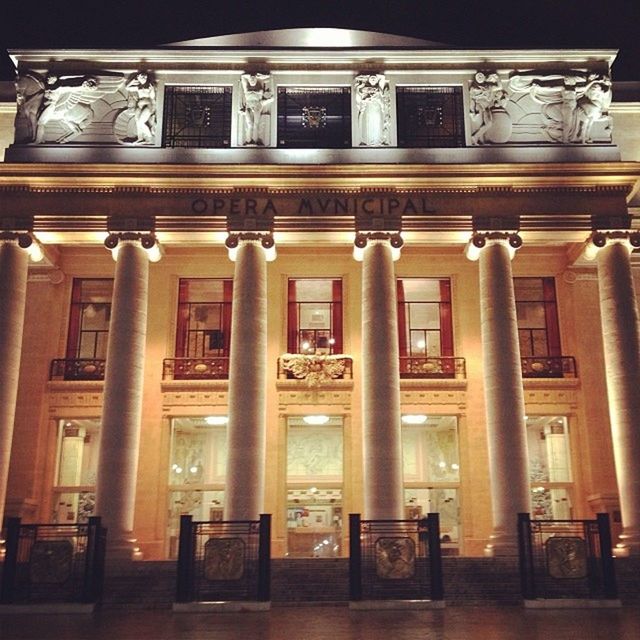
x: 549, y: 367
x: 436, y: 367
x: 314, y: 369
x: 196, y: 368
x: 77, y: 369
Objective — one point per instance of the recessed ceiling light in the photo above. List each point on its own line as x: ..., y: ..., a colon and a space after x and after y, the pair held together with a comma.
x: 316, y: 419
x: 216, y: 420
x: 417, y: 418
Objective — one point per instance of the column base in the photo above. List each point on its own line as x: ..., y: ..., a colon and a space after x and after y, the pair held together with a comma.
x: 123, y: 550
x: 501, y: 546
x: 628, y: 545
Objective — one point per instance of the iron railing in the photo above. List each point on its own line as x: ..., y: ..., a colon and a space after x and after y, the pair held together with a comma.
x: 228, y: 560
x: 314, y: 369
x: 53, y: 563
x: 549, y: 367
x: 428, y: 367
x: 395, y: 559
x: 566, y: 558
x: 77, y: 369
x: 196, y: 368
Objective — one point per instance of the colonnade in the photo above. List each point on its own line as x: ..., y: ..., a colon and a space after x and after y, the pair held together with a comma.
x: 383, y: 482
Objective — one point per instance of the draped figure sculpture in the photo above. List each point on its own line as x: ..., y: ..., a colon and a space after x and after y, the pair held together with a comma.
x: 374, y: 110
x: 255, y: 100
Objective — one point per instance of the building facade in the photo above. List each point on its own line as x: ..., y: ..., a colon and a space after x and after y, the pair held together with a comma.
x: 313, y: 273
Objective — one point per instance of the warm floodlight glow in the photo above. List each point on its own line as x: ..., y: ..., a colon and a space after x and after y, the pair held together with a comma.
x: 316, y: 419
x: 216, y: 420
x: 417, y: 418
x: 35, y: 251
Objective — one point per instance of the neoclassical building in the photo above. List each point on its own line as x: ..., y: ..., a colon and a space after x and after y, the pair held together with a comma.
x: 319, y: 272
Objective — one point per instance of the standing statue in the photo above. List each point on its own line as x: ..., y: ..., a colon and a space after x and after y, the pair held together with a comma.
x: 591, y: 106
x: 256, y: 97
x: 142, y: 99
x: 374, y: 109
x: 488, y: 100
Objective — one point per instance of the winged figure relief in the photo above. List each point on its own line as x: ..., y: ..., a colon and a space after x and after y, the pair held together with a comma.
x: 63, y: 100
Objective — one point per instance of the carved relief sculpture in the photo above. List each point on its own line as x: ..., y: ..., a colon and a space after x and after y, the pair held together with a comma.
x: 256, y: 98
x: 137, y: 123
x: 374, y: 109
x: 65, y: 101
x: 491, y: 122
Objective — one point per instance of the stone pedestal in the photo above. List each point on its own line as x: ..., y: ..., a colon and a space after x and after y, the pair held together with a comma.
x: 383, y: 481
x: 122, y: 406
x: 504, y: 397
x: 621, y: 337
x: 244, y: 487
x: 13, y: 293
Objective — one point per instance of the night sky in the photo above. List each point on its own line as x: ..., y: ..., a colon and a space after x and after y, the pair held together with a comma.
x: 467, y: 24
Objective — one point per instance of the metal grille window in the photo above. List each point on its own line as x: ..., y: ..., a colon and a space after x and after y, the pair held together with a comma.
x: 430, y: 117
x: 197, y: 117
x: 314, y: 118
x: 537, y: 312
x: 89, y: 318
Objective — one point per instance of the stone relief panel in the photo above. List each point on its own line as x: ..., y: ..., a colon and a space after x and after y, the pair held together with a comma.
x: 256, y: 98
x: 374, y: 110
x: 101, y: 107
x: 531, y: 107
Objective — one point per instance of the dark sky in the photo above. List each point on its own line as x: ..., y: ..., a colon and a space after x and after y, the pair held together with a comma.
x: 471, y: 23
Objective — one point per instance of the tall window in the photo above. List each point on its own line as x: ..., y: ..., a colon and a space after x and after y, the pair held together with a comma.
x: 89, y: 318
x: 549, y: 467
x: 204, y: 318
x: 424, y: 323
x: 314, y: 316
x: 197, y: 470
x: 76, y: 466
x: 432, y: 472
x: 537, y: 311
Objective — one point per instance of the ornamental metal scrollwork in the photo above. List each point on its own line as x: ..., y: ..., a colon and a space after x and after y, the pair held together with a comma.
x: 315, y: 369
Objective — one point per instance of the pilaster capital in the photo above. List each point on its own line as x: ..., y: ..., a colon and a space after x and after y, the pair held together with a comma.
x: 601, y: 239
x: 481, y: 239
x: 25, y: 240
x: 364, y: 238
x: 147, y: 240
x: 262, y: 239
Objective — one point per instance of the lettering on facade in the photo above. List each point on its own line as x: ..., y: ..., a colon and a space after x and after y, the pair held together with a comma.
x: 313, y: 206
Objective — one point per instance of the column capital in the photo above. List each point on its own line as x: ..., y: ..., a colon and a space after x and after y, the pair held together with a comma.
x: 481, y: 239
x: 147, y: 241
x: 601, y: 239
x: 364, y: 238
x: 262, y: 239
x: 25, y: 240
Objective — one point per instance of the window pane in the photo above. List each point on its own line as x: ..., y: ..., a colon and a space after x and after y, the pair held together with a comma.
x: 528, y: 289
x: 77, y: 452
x: 421, y: 290
x: 69, y: 508
x: 420, y: 502
x: 531, y: 315
x: 314, y: 452
x: 96, y: 290
x: 548, y: 446
x: 308, y: 290
x: 551, y: 504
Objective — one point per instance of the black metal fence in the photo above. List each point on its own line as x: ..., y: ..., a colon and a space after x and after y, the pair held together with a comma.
x: 216, y: 368
x: 51, y: 563
x: 432, y: 367
x: 77, y: 369
x: 566, y: 558
x: 549, y: 367
x: 395, y: 559
x: 227, y: 560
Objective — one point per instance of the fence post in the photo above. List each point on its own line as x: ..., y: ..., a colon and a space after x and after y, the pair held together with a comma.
x: 264, y: 558
x: 184, y: 585
x: 527, y: 578
x: 12, y: 540
x: 432, y: 523
x: 92, y: 581
x: 355, y: 558
x: 610, y: 587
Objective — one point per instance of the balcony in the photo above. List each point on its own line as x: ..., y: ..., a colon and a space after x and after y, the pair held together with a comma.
x: 196, y: 368
x: 432, y: 367
x: 77, y: 369
x: 549, y: 367
x: 315, y: 369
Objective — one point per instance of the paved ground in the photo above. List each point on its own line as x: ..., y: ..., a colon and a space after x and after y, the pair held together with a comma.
x: 332, y: 623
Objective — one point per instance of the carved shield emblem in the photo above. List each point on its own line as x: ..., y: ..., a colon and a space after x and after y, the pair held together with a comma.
x: 566, y: 557
x: 50, y: 561
x: 395, y: 558
x: 314, y: 117
x: 224, y: 559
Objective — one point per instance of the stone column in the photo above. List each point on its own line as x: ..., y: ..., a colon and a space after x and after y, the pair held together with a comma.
x: 382, y: 446
x: 13, y: 293
x: 621, y: 338
x: 123, y: 387
x: 504, y: 395
x: 246, y: 432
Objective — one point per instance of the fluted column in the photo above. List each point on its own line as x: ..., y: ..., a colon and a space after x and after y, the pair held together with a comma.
x: 246, y: 431
x: 13, y: 292
x: 621, y: 338
x: 123, y: 387
x: 382, y: 447
x: 503, y: 390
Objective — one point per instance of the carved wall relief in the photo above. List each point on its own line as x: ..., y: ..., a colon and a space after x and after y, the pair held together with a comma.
x: 137, y: 123
x: 490, y: 121
x: 256, y: 97
x: 374, y: 110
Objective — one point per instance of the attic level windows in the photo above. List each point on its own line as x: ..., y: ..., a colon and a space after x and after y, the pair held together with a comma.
x: 197, y: 117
